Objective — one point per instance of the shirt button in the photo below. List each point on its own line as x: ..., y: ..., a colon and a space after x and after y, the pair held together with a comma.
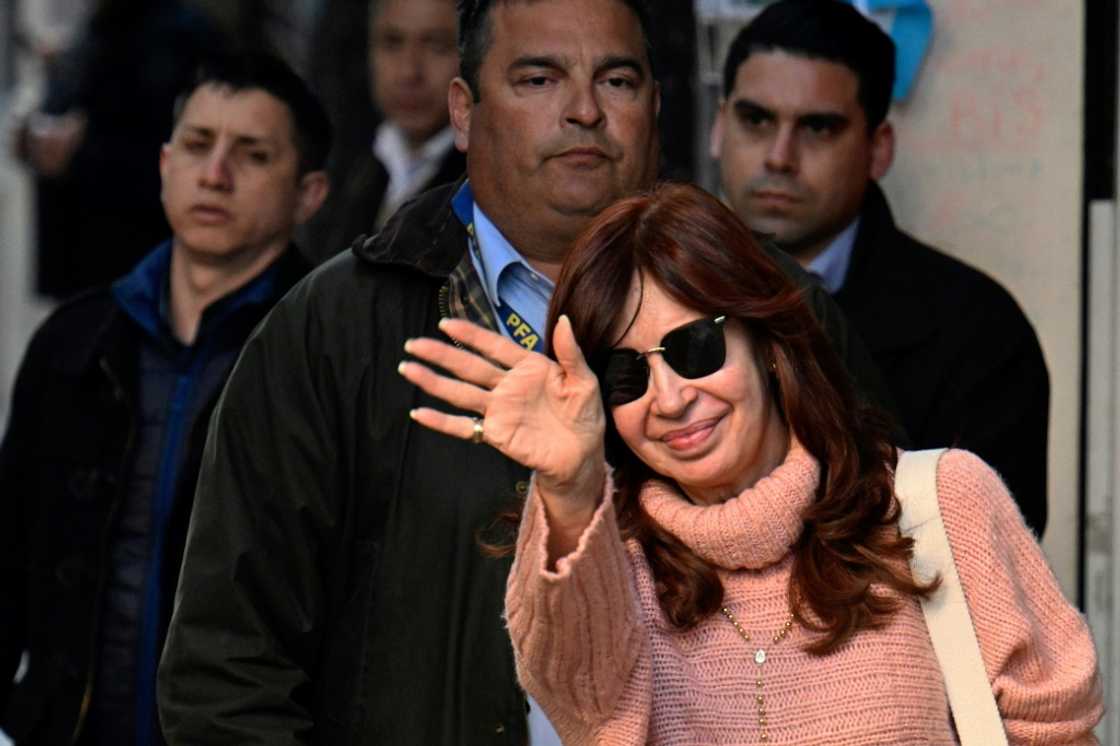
x: 522, y: 489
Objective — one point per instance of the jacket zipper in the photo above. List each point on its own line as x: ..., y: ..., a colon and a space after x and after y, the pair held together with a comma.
x: 95, y: 628
x: 445, y: 307
x: 444, y: 302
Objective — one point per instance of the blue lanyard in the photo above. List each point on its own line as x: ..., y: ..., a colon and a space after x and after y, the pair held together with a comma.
x: 520, y: 330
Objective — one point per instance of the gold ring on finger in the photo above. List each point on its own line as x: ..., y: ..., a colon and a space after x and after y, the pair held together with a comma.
x: 476, y: 430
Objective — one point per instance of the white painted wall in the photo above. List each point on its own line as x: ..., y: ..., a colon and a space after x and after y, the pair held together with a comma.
x: 20, y: 311
x: 989, y: 168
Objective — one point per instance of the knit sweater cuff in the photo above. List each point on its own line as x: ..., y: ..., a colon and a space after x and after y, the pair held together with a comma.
x: 1037, y: 648
x: 577, y: 630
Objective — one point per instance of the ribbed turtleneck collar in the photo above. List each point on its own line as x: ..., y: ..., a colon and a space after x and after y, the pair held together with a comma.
x: 750, y: 531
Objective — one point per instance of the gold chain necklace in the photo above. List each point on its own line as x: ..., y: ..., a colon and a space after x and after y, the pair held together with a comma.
x: 760, y: 659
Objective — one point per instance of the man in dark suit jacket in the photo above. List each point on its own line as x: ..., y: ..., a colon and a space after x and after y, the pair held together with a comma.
x: 802, y: 139
x: 413, y: 58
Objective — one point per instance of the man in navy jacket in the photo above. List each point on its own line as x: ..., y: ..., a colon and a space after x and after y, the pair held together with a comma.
x: 111, y: 407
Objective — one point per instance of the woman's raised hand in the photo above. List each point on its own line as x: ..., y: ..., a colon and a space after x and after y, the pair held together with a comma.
x: 546, y: 415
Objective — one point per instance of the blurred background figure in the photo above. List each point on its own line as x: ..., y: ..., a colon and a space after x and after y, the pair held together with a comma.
x: 413, y: 56
x: 672, y: 33
x: 92, y: 141
x: 112, y: 403
x: 281, y: 27
x: 338, y: 70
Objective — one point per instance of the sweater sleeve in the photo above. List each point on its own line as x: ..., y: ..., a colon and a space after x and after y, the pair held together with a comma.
x: 577, y: 631
x: 1037, y: 649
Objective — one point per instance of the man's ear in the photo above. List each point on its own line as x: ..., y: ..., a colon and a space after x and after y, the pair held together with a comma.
x: 313, y: 189
x: 715, y: 138
x: 882, y: 150
x: 460, y: 105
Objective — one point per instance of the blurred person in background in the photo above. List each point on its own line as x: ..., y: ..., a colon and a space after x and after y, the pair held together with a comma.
x: 803, y: 139
x: 93, y: 142
x: 112, y: 403
x: 336, y: 71
x: 413, y: 56
x: 280, y: 27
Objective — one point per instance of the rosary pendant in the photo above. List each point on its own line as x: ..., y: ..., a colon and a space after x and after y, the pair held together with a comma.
x: 759, y: 659
x: 759, y: 699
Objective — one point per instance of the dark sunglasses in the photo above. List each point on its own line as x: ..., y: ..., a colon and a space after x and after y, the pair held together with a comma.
x: 694, y: 350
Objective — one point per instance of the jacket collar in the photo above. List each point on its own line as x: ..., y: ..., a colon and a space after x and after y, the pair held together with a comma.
x: 884, y: 292
x: 103, y: 341
x: 111, y: 341
x: 424, y: 235
x: 144, y: 293
x: 877, y: 228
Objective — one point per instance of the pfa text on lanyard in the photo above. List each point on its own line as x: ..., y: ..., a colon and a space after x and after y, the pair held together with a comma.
x: 519, y: 329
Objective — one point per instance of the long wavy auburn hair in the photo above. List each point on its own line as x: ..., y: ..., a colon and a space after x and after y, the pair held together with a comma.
x: 702, y: 256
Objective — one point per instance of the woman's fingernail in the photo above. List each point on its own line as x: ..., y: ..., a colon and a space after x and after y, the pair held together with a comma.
x: 408, y: 344
x: 400, y: 367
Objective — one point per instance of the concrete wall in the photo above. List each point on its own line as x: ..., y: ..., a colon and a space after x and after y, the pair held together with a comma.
x: 989, y: 168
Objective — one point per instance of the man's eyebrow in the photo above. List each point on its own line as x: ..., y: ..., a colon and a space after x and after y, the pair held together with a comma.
x: 611, y: 62
x: 820, y: 119
x: 239, y: 139
x: 253, y: 140
x: 439, y: 34
x: 541, y: 60
x: 744, y: 107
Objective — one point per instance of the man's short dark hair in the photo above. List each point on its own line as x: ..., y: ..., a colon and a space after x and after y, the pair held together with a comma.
x: 242, y: 71
x: 475, y: 36
x: 822, y: 29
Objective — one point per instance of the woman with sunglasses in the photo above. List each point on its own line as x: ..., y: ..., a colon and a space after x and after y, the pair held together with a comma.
x: 736, y: 575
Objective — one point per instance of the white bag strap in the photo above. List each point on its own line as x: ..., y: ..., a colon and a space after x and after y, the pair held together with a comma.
x: 950, y: 625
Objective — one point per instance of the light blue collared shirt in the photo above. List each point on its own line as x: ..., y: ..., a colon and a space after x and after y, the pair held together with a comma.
x: 507, y: 276
x: 831, y: 265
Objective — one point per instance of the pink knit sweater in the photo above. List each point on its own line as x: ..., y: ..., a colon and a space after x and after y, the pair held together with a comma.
x: 594, y: 649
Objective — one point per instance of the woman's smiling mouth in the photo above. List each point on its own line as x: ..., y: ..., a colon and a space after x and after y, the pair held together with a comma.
x: 688, y: 438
